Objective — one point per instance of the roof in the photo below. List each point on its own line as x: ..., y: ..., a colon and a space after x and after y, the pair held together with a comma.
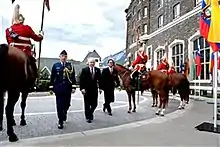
x: 92, y: 54
x: 119, y: 57
x: 48, y: 63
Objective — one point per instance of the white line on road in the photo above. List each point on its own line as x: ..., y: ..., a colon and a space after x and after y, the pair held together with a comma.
x: 75, y: 111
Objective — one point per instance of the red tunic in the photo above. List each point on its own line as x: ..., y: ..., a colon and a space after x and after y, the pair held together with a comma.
x: 171, y: 70
x: 25, y: 33
x: 139, y: 62
x: 163, y: 66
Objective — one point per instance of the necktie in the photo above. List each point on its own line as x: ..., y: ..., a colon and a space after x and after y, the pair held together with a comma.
x: 92, y: 72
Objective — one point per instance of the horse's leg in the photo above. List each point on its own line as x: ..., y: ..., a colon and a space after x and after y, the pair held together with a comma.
x: 160, y: 105
x: 23, y: 106
x: 1, y: 109
x: 134, y: 101
x: 165, y: 98
x: 174, y: 93
x: 156, y: 99
x: 129, y: 101
x: 153, y: 95
x: 12, y: 99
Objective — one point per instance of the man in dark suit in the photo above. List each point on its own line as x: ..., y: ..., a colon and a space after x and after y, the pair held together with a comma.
x: 89, y: 86
x: 63, y: 82
x: 109, y: 80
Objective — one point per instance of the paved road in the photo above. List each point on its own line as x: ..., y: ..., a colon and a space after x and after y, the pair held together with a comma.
x: 41, y: 115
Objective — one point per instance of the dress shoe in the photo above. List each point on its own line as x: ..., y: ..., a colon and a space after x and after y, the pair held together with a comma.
x: 88, y: 121
x: 60, y: 125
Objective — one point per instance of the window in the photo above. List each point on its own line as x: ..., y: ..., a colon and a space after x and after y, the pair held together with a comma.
x: 160, y: 21
x: 149, y: 52
x: 139, y: 15
x: 160, y: 3
x: 177, y: 56
x: 145, y: 28
x: 176, y: 11
x: 160, y: 54
x: 145, y: 12
x: 205, y: 56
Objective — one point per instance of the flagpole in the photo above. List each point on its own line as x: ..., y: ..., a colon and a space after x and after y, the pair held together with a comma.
x: 215, y: 83
x: 40, y: 44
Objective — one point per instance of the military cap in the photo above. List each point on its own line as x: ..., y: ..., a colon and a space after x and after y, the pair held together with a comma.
x: 63, y: 53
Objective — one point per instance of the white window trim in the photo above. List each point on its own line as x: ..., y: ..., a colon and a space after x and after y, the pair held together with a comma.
x: 178, y: 9
x: 160, y: 25
x: 155, y: 55
x: 145, y: 31
x: 150, y: 47
x: 145, y: 12
x: 175, y: 42
x: 190, y: 46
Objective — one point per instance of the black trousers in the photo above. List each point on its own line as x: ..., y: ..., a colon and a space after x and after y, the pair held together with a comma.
x: 63, y: 101
x: 90, y: 103
x: 109, y: 98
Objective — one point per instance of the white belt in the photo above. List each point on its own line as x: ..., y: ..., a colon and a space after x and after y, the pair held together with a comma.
x: 20, y: 44
x: 24, y: 38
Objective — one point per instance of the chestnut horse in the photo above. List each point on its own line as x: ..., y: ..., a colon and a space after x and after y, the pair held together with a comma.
x: 17, y: 76
x: 177, y: 82
x: 155, y: 80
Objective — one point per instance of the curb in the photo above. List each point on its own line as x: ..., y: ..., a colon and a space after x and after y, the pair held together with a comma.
x: 48, y: 139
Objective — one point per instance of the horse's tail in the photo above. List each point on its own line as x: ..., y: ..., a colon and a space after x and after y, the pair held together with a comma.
x: 187, y: 90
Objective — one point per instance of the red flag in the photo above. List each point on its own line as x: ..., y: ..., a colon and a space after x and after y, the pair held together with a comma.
x: 198, y: 63
x: 47, y: 4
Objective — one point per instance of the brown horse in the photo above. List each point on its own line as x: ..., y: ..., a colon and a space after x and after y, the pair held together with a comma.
x: 180, y: 82
x: 152, y: 80
x: 177, y: 82
x: 158, y: 83
x: 124, y: 75
x: 16, y: 77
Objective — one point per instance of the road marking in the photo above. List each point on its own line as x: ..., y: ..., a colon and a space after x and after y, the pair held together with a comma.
x: 51, y: 138
x: 75, y: 111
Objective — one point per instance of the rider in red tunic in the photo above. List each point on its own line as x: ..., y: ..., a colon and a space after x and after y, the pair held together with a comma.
x: 171, y: 69
x: 140, y: 61
x: 19, y: 35
x: 164, y: 65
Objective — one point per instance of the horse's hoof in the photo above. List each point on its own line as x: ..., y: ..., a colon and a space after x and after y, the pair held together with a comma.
x: 182, y: 108
x: 179, y: 108
x: 13, y: 123
x: 134, y: 110
x: 23, y: 123
x: 157, y: 113
x: 161, y: 114
x: 129, y: 111
x: 13, y: 138
x: 152, y: 105
x: 187, y: 102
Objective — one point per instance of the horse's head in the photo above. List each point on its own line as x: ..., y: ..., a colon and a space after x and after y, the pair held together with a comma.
x: 121, y: 69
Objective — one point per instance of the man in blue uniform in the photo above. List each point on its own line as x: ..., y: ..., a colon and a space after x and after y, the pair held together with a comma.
x: 63, y: 82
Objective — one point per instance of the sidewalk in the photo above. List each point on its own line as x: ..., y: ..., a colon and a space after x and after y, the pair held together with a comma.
x: 176, y: 129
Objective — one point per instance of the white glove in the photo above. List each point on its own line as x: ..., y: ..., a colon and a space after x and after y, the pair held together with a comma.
x: 130, y: 68
x: 41, y: 33
x: 83, y: 91
x: 73, y: 90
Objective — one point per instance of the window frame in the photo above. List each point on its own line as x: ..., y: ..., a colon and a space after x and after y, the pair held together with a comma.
x: 160, y: 3
x: 205, y: 57
x: 177, y: 55
x: 145, y: 30
x: 176, y: 8
x: 150, y: 57
x: 145, y: 9
x: 160, y: 25
x: 139, y: 15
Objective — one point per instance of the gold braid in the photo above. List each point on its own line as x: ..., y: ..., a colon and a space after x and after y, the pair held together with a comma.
x: 67, y: 72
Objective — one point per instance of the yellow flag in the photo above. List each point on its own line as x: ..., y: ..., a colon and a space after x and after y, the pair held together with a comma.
x: 214, y: 30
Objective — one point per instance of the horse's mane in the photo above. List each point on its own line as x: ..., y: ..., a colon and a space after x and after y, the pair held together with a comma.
x: 122, y: 67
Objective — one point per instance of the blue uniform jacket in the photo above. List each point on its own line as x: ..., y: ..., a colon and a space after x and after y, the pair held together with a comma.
x: 63, y: 78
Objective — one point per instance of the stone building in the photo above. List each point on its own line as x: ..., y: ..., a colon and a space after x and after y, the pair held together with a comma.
x: 168, y: 26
